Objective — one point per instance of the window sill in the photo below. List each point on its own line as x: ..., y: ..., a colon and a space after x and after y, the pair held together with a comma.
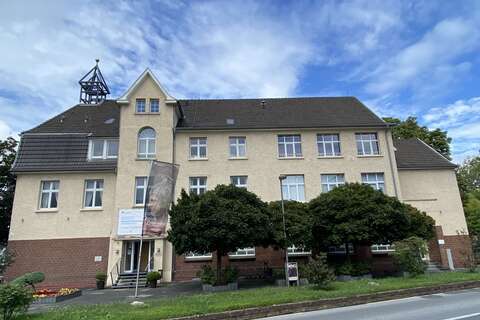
x: 147, y: 113
x: 299, y: 254
x: 249, y: 256
x: 91, y: 209
x: 194, y: 259
x: 238, y: 158
x: 290, y: 158
x: 370, y: 155
x: 329, y: 157
x: 197, y: 159
x: 145, y: 159
x: 46, y: 210
x: 138, y: 206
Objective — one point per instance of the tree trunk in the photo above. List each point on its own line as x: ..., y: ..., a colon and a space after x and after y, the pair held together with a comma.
x: 347, y: 252
x: 219, y: 268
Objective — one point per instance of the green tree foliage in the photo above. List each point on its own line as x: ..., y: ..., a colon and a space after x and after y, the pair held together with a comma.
x: 408, y: 255
x: 318, y: 272
x: 409, y: 128
x: 29, y: 279
x: 468, y: 176
x: 298, y: 222
x: 7, y: 185
x: 358, y: 214
x: 221, y: 221
x: 14, y: 300
x: 472, y: 212
x: 421, y: 225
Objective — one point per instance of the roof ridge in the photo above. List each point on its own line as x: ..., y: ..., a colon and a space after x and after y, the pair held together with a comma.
x: 272, y: 98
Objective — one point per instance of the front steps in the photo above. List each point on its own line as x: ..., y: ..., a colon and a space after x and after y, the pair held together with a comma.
x: 434, y: 267
x: 128, y: 280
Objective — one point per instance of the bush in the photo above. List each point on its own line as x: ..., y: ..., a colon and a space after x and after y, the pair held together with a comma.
x: 29, y: 279
x: 6, y: 259
x: 318, y: 272
x: 278, y: 273
x: 153, y: 276
x: 408, y: 255
x: 207, y: 275
x: 230, y: 274
x: 14, y: 300
x: 101, y: 276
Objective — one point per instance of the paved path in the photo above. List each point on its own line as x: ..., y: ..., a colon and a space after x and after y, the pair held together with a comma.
x: 457, y: 305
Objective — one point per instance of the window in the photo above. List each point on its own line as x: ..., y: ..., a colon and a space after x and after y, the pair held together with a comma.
x: 375, y: 180
x: 198, y: 256
x: 330, y: 181
x: 328, y: 145
x: 154, y: 105
x: 103, y: 149
x: 239, y: 181
x: 140, y: 105
x: 298, y: 251
x: 198, y: 185
x: 382, y: 248
x: 198, y: 148
x: 49, y: 194
x: 237, y: 147
x: 289, y: 146
x: 293, y: 188
x: 93, y: 193
x: 367, y: 143
x: 140, y: 190
x: 243, y: 253
x: 341, y: 249
x: 146, y: 143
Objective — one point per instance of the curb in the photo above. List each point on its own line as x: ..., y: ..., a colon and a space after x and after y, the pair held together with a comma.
x: 312, y: 305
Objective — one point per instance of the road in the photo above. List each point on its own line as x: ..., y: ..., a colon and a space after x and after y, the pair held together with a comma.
x: 458, y: 305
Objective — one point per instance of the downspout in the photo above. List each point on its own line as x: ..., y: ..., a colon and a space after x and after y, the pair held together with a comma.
x: 391, y: 162
x: 173, y: 195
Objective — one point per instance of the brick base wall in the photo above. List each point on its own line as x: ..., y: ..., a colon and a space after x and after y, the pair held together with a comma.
x: 460, y: 246
x: 65, y: 262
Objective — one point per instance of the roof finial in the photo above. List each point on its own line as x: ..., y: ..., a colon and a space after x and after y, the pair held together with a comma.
x: 93, y: 88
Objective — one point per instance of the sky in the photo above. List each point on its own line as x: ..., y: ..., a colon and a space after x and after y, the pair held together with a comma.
x: 401, y: 58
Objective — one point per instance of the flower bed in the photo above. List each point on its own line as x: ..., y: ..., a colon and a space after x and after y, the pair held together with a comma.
x: 51, y: 296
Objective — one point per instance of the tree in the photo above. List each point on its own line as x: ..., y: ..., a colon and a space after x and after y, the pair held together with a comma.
x: 468, y: 176
x: 221, y: 221
x: 409, y: 128
x: 358, y: 214
x: 297, y: 223
x: 7, y: 186
x: 472, y: 213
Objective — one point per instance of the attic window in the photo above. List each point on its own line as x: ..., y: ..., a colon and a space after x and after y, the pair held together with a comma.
x: 101, y: 149
x: 230, y: 121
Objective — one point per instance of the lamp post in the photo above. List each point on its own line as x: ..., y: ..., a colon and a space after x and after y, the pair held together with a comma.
x: 281, y: 178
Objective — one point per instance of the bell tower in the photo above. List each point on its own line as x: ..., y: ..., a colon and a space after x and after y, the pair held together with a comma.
x: 93, y: 88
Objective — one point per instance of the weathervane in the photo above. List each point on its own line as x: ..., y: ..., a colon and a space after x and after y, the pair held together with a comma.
x: 93, y: 88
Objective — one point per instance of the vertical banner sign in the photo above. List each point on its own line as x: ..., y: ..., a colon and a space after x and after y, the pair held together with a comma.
x: 159, y: 196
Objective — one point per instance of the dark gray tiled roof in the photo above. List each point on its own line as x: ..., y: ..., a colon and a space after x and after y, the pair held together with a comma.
x: 88, y: 119
x: 277, y: 113
x: 65, y: 152
x: 415, y: 154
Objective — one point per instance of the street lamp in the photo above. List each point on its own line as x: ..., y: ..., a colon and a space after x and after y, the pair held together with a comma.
x: 281, y: 178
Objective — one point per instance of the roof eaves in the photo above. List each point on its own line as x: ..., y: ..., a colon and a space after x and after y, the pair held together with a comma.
x: 280, y: 127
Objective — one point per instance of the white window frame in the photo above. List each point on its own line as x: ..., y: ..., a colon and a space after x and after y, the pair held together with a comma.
x: 322, y: 143
x: 242, y: 253
x: 285, y: 183
x: 105, y: 154
x: 374, y: 183
x: 198, y: 256
x: 294, y: 250
x: 282, y: 144
x: 150, y: 105
x: 382, y: 248
x: 148, y: 154
x: 95, y: 189
x: 331, y: 185
x: 359, y: 138
x: 197, y: 143
x: 235, y: 180
x: 234, y: 142
x: 48, y: 191
x: 197, y: 186
x: 144, y: 187
x: 341, y: 249
x: 144, y: 105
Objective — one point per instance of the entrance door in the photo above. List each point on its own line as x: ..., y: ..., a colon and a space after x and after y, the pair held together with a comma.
x: 131, y: 255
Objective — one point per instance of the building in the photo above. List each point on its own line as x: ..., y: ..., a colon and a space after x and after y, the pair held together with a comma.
x: 76, y: 171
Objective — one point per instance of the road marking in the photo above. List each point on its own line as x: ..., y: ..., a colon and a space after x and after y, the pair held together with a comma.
x: 464, y: 316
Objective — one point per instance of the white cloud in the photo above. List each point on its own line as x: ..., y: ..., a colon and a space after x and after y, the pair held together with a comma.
x: 5, y: 131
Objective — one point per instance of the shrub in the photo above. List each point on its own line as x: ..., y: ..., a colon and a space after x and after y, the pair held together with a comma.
x: 230, y: 274
x: 29, y: 279
x: 14, y: 300
x: 318, y: 272
x: 278, y: 273
x: 6, y: 259
x: 153, y: 276
x: 101, y: 276
x: 408, y: 255
x: 207, y: 275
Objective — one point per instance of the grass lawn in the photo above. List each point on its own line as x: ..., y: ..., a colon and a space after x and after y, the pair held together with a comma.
x: 216, y: 302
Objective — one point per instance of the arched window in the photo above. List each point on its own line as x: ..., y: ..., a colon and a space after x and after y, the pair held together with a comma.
x: 146, y: 143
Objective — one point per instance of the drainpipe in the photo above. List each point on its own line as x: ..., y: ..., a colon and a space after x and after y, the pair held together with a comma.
x: 173, y: 195
x: 393, y: 168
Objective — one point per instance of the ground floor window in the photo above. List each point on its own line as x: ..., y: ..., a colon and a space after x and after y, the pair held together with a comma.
x: 198, y: 185
x: 198, y: 255
x: 298, y: 251
x: 341, y: 249
x: 382, y: 248
x: 243, y: 253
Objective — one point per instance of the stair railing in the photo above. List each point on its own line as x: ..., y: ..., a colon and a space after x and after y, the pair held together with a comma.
x: 115, y: 272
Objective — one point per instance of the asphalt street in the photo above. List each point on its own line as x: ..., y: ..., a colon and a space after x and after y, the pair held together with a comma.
x: 458, y: 305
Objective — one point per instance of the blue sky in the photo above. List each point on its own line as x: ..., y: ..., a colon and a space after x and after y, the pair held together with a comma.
x: 400, y: 58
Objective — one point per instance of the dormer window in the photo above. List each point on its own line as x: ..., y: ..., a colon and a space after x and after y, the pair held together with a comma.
x: 140, y: 106
x: 154, y: 105
x: 102, y: 149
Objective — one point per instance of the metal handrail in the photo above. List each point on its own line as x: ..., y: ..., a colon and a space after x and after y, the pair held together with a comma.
x: 148, y: 264
x: 115, y: 268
